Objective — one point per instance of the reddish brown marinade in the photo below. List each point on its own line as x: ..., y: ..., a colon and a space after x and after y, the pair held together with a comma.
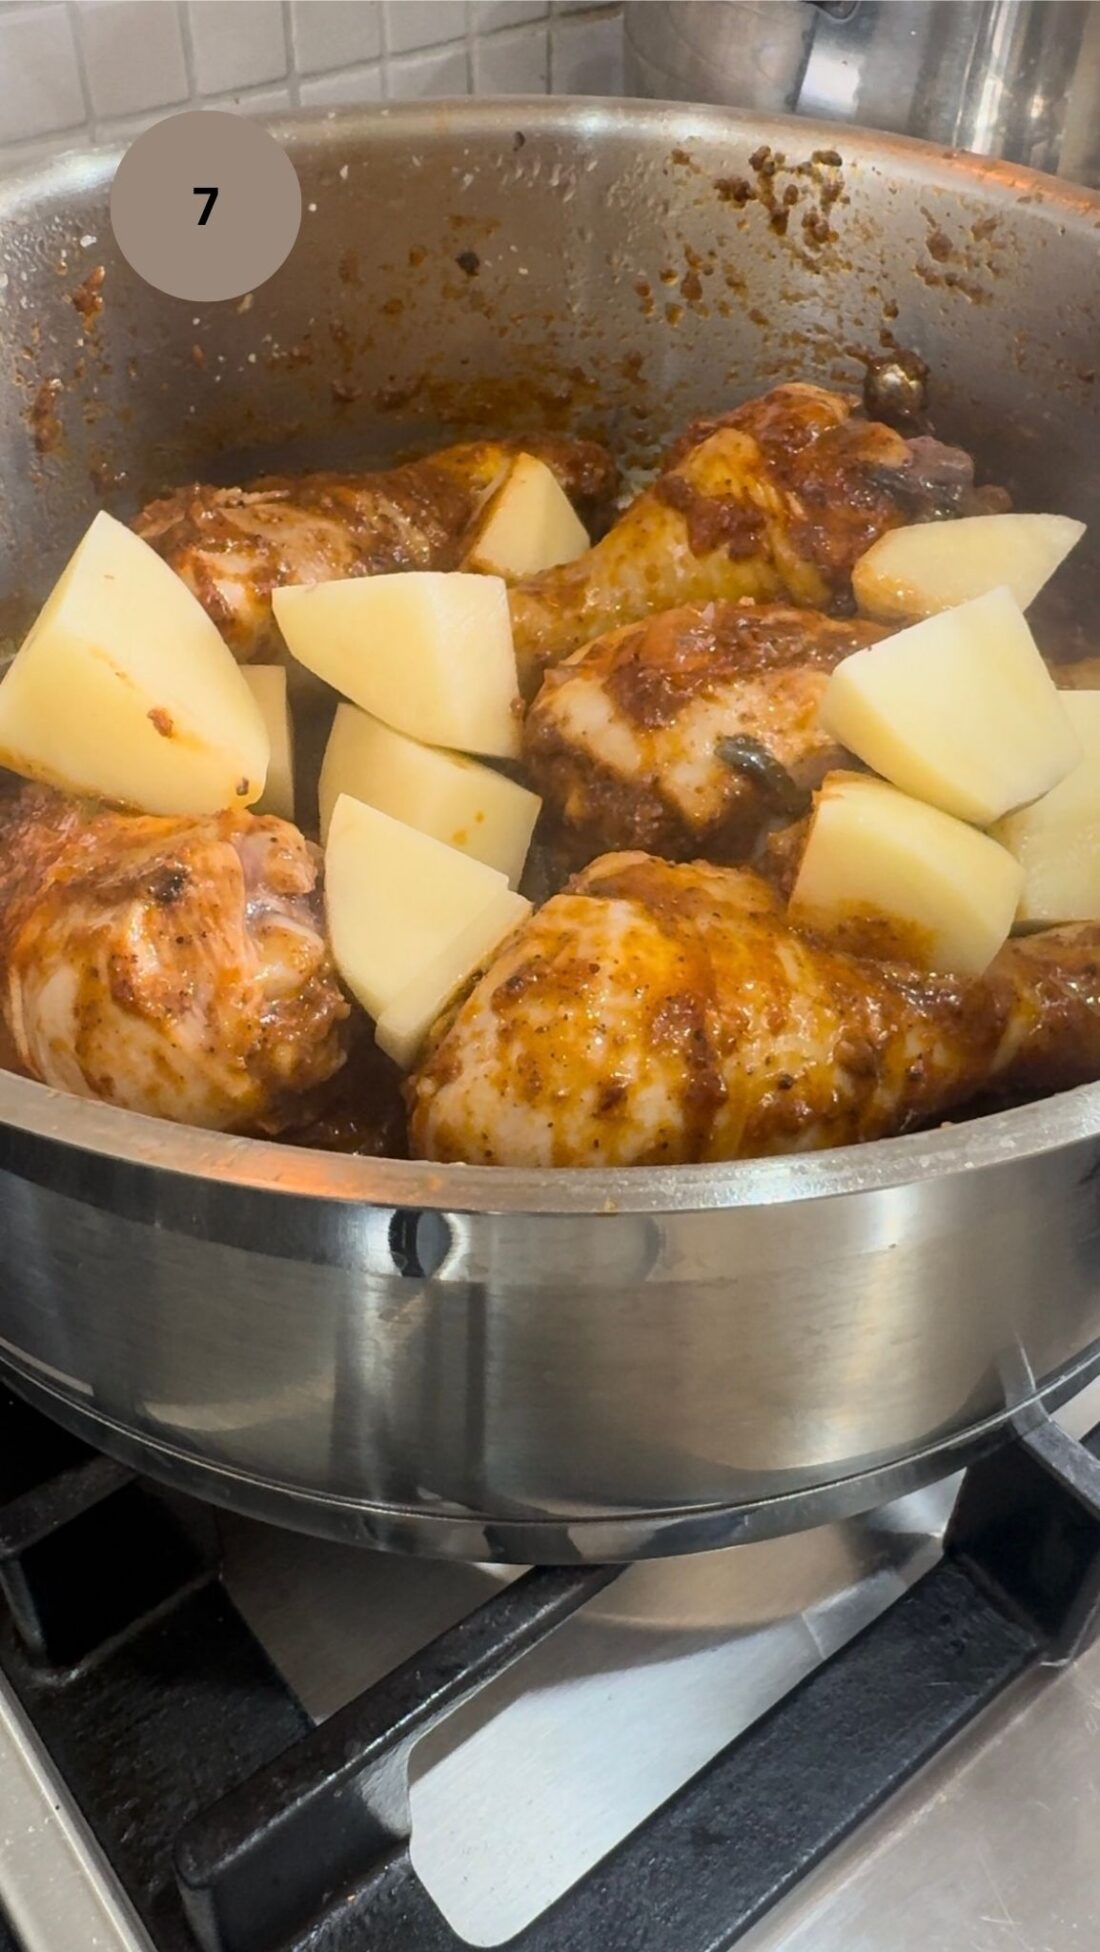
x: 671, y: 659
x: 654, y: 1010
x: 361, y: 1110
x: 173, y: 966
x: 730, y: 1033
x: 233, y: 546
x: 690, y: 732
x: 711, y: 521
x: 775, y: 500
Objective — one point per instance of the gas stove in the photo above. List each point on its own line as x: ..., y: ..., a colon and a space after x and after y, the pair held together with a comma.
x: 879, y: 1736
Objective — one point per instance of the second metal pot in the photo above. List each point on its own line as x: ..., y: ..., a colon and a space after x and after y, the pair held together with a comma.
x: 1014, y: 78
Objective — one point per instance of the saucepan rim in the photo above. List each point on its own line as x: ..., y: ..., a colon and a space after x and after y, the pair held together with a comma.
x: 1054, y: 197
x: 133, y: 1140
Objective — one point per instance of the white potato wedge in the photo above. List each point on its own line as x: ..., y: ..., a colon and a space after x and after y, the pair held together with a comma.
x: 922, y: 882
x: 124, y: 690
x: 959, y: 710
x: 404, y: 1024
x: 1057, y: 839
x: 394, y: 899
x: 267, y: 683
x: 457, y: 800
x: 429, y: 652
x: 931, y: 566
x: 528, y: 524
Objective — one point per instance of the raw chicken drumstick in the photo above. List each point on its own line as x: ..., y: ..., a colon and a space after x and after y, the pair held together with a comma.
x: 776, y: 500
x: 233, y: 546
x: 654, y: 1014
x: 688, y: 733
x: 173, y: 966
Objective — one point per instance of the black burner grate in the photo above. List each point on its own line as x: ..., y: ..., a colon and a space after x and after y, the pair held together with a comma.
x: 236, y: 1826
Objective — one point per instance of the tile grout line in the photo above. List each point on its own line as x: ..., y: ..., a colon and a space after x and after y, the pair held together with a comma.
x: 475, y: 35
x: 183, y: 17
x: 384, y: 48
x: 77, y: 33
x: 354, y: 71
x: 292, y: 77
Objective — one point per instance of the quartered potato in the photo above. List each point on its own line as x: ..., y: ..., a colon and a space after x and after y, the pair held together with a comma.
x: 123, y: 689
x: 395, y: 900
x: 913, y: 879
x: 1057, y: 839
x: 427, y: 651
x: 932, y: 566
x: 459, y: 801
x: 404, y: 1024
x: 959, y: 710
x: 267, y: 683
x: 529, y: 525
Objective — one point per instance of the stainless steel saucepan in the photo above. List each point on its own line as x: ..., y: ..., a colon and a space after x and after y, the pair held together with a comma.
x: 524, y: 1365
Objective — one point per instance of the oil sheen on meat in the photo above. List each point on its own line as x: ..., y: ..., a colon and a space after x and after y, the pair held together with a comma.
x: 172, y: 966
x: 776, y: 501
x: 655, y: 1014
x: 688, y: 733
x: 233, y: 546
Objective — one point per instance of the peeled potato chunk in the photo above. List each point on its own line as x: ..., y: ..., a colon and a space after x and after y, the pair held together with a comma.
x: 959, y: 710
x: 124, y: 690
x: 395, y: 899
x: 456, y: 799
x: 1057, y: 840
x: 267, y: 683
x: 427, y: 651
x: 528, y: 525
x: 405, y: 1023
x: 904, y: 877
x: 932, y: 566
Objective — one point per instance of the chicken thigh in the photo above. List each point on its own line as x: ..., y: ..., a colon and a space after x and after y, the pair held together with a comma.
x: 689, y: 732
x: 776, y: 500
x: 173, y: 966
x: 655, y: 1014
x: 233, y: 546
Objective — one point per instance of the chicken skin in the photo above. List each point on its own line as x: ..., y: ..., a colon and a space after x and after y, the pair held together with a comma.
x: 233, y: 546
x: 690, y: 732
x: 655, y: 1014
x: 172, y: 966
x: 774, y: 501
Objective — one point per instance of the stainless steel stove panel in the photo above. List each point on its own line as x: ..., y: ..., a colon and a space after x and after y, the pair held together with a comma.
x: 533, y: 1781
x: 992, y: 1849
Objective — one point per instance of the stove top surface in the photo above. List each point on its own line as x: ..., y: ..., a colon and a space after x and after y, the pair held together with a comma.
x: 529, y: 1783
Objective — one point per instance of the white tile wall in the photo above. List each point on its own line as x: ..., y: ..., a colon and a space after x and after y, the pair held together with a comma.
x: 489, y: 14
x: 344, y: 86
x: 133, y: 56
x: 587, y: 55
x: 424, y: 23
x: 237, y: 46
x: 40, y: 85
x: 331, y: 34
x: 513, y: 64
x: 76, y: 71
x: 432, y: 71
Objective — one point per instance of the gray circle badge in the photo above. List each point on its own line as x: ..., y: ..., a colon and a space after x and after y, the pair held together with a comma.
x: 205, y: 205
